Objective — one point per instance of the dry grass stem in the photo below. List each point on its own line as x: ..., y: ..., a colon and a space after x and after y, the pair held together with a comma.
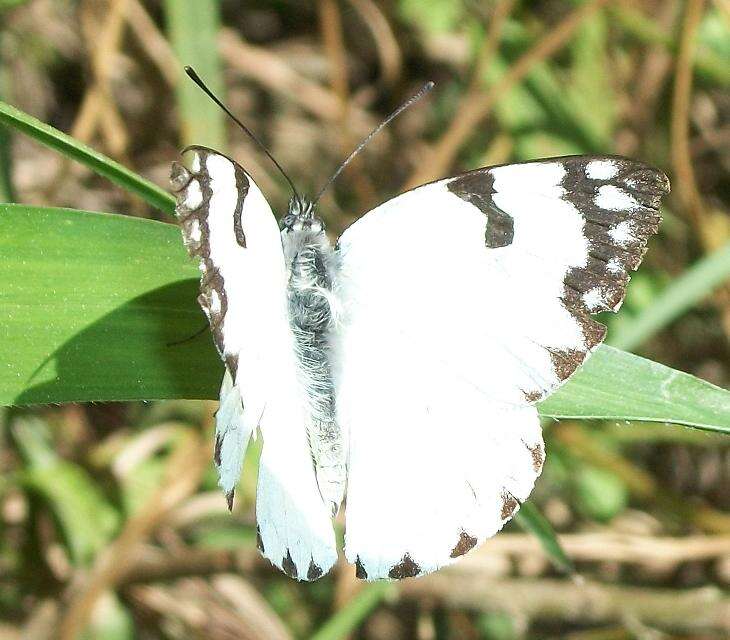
x: 613, y: 547
x: 97, y: 109
x: 330, y: 23
x: 153, y: 42
x: 386, y: 44
x: 182, y: 476
x: 103, y: 36
x: 249, y: 604
x: 686, y: 182
x: 475, y: 107
x: 274, y: 74
x: 588, y: 603
x: 681, y: 149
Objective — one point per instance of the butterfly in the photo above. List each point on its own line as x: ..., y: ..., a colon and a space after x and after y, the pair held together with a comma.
x: 397, y: 371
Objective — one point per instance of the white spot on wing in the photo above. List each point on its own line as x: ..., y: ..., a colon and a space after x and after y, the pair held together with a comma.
x: 535, y: 177
x: 614, y: 266
x: 215, y: 302
x: 601, y: 169
x: 593, y: 298
x: 195, y: 230
x: 195, y: 165
x: 193, y: 196
x: 622, y: 233
x: 614, y: 199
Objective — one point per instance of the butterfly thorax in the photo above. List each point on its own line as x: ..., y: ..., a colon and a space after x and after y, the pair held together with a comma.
x: 310, y: 262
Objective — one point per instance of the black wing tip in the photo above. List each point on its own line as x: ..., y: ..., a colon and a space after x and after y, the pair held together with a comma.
x: 229, y: 499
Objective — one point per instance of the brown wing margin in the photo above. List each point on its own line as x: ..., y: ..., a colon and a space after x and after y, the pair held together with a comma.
x: 193, y: 190
x: 617, y: 240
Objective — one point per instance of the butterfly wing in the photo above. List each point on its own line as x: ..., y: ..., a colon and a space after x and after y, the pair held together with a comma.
x: 464, y: 302
x: 227, y: 223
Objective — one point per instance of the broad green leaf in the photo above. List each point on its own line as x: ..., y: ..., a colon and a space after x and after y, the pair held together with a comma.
x: 92, y: 303
x: 97, y: 162
x: 193, y: 27
x: 531, y: 520
x: 616, y: 385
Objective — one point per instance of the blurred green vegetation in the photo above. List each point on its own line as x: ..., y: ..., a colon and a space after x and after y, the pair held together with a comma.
x: 111, y: 525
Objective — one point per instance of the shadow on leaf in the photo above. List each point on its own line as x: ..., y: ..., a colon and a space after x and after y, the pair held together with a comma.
x: 139, y: 351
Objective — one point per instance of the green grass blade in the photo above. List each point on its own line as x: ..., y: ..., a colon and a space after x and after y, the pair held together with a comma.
x: 97, y: 162
x: 6, y: 183
x: 92, y: 302
x: 691, y: 287
x: 193, y: 27
x: 349, y: 618
x: 532, y: 521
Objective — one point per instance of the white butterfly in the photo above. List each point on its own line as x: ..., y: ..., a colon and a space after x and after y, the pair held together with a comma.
x: 401, y: 367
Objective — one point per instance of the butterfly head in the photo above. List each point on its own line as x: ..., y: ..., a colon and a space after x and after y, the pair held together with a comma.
x: 300, y: 217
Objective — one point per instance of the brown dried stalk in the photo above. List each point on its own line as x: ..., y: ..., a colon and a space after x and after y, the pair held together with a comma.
x: 587, y: 603
x: 686, y: 183
x: 334, y: 45
x: 478, y: 105
x: 183, y: 473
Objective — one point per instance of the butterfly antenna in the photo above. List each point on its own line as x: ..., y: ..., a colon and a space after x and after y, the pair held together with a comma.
x: 411, y: 101
x: 197, y: 80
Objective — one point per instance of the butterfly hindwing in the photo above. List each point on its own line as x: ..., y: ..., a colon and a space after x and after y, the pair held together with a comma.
x: 227, y: 224
x: 463, y: 303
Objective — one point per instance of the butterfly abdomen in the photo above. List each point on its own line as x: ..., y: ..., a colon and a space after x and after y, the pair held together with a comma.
x: 310, y: 261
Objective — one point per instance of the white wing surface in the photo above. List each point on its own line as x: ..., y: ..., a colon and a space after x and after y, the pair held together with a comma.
x: 227, y: 223
x: 464, y: 302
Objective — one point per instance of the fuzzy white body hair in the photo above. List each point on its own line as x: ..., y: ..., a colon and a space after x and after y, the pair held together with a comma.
x: 310, y: 261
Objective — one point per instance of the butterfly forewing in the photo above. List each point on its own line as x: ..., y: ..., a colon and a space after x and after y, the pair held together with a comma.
x: 229, y: 226
x: 464, y: 302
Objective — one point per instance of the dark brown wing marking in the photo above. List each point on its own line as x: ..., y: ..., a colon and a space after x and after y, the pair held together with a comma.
x: 360, y: 570
x: 242, y: 186
x: 510, y: 504
x: 193, y: 191
x: 288, y: 566
x: 465, y: 543
x: 538, y: 455
x: 477, y: 189
x: 406, y: 568
x: 314, y: 572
